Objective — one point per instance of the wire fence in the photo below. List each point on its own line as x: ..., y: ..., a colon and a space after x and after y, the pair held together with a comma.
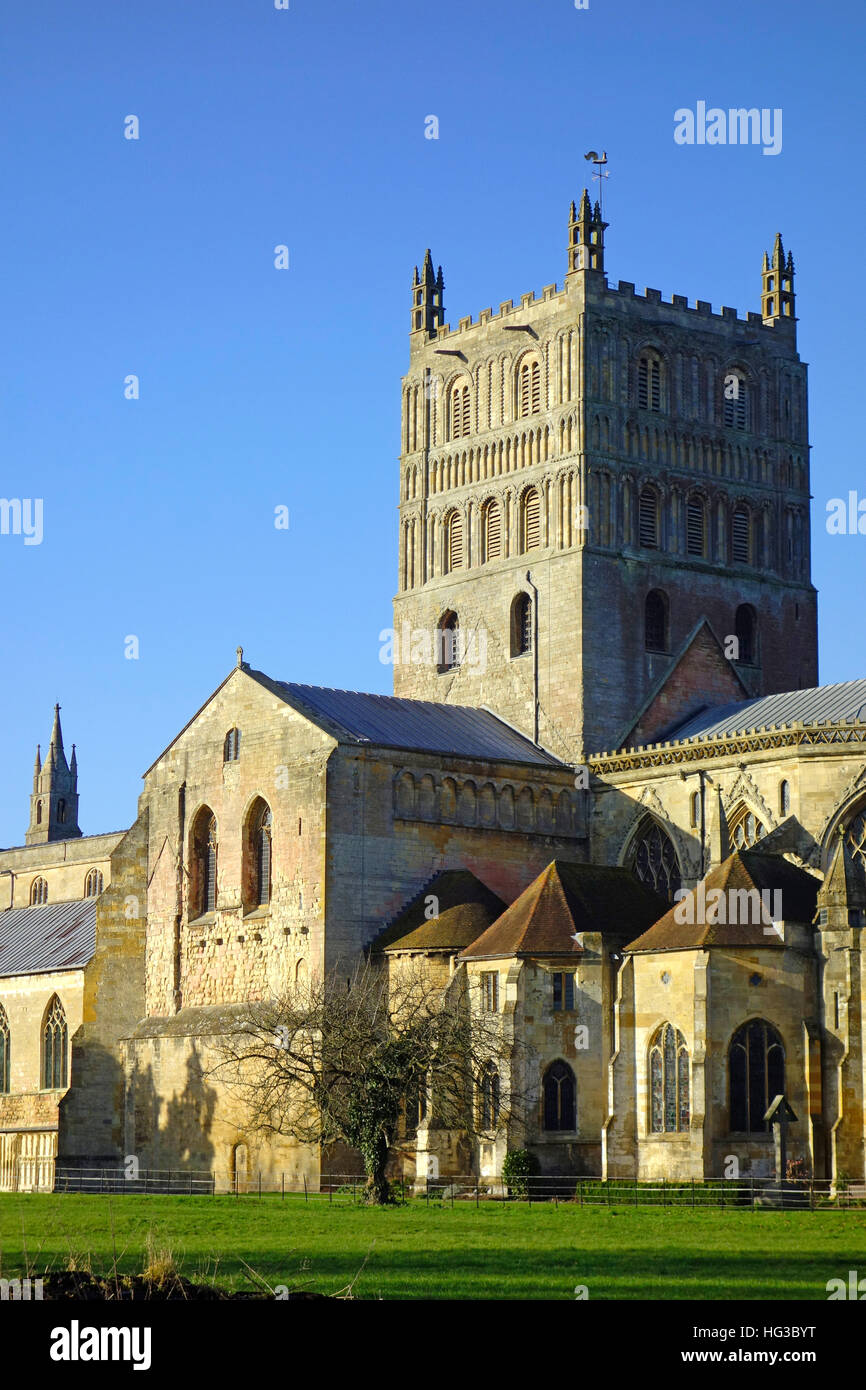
x: 350, y: 1188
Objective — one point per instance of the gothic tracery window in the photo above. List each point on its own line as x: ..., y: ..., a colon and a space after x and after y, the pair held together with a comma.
x: 490, y: 1086
x: 448, y: 639
x: 745, y: 829
x: 232, y: 746
x: 756, y: 1066
x: 560, y: 1097
x: 5, y: 1067
x: 38, y: 892
x: 55, y: 1047
x: 203, y: 888
x: 656, y: 621
x: 654, y: 860
x: 856, y: 837
x: 93, y: 884
x: 669, y: 1081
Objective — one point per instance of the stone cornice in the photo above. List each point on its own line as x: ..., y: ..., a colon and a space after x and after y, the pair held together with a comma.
x: 727, y: 745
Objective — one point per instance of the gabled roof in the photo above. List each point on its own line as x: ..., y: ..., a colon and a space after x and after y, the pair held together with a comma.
x: 387, y: 721
x: 466, y: 908
x: 566, y: 899
x: 835, y: 704
x: 656, y: 711
x: 56, y: 936
x: 742, y: 871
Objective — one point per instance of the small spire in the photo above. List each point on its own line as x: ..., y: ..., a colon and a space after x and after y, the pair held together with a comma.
x: 56, y: 731
x: 778, y: 252
x: 37, y: 767
x: 572, y: 217
x: 427, y: 272
x: 73, y: 766
x: 239, y: 653
x: 766, y: 262
x: 585, y: 206
x: 415, y: 279
x: 790, y: 266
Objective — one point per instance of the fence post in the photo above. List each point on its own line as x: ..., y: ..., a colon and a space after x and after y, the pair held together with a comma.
x: 145, y: 1182
x: 282, y: 1187
x: 693, y: 1191
x: 305, y: 1188
x: 260, y: 1184
x: 664, y: 1192
x: 635, y: 1191
x: 212, y: 1182
x: 190, y: 1182
x: 330, y: 1193
x: 476, y: 1196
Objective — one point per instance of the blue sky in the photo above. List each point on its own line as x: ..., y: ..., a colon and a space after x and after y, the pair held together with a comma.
x: 260, y: 387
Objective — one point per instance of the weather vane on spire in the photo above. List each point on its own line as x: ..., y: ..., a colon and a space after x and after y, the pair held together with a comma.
x: 599, y: 160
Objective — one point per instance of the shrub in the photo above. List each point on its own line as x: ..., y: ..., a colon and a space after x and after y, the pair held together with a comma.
x: 518, y: 1167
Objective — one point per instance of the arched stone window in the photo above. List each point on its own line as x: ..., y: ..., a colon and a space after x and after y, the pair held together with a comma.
x: 39, y: 813
x: 232, y: 746
x: 61, y: 812
x: 696, y: 527
x: 55, y: 1046
x: 38, y: 892
x: 93, y: 884
x: 668, y: 1081
x: 257, y: 856
x: 648, y: 518
x: 521, y: 625
x: 529, y: 387
x: 694, y: 809
x: 744, y: 827
x: 653, y: 859
x: 460, y: 410
x: 560, y: 1097
x: 741, y: 536
x: 491, y: 529
x: 736, y: 401
x: 203, y: 887
x: 530, y: 519
x: 453, y: 542
x: 489, y: 1088
x: 756, y: 1069
x: 656, y: 621
x: 5, y: 1058
x: 784, y: 798
x: 650, y: 382
x: 746, y: 630
x: 448, y: 642
x: 855, y: 836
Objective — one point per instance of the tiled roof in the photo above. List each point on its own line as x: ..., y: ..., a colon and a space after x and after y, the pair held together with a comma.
x: 466, y: 909
x: 564, y: 900
x: 56, y: 936
x: 418, y: 725
x: 745, y: 870
x: 834, y: 703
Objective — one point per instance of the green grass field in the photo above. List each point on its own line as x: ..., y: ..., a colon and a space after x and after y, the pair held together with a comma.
x: 501, y: 1250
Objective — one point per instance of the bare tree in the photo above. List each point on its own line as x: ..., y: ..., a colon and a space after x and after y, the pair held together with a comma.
x: 336, y: 1060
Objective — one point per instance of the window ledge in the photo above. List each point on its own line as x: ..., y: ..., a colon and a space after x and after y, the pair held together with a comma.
x: 206, y: 919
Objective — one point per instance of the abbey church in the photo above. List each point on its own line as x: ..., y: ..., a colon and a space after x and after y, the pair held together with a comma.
x: 606, y: 743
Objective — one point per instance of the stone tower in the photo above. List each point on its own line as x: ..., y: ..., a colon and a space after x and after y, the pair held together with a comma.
x: 54, y: 801
x: 591, y: 481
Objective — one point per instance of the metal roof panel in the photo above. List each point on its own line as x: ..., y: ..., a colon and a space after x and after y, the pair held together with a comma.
x: 55, y: 936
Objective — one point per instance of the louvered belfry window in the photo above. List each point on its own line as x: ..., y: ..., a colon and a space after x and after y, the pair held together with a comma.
x: 492, y: 531
x: 649, y: 383
x: 648, y: 519
x: 455, y: 541
x: 695, y: 527
x: 461, y: 412
x: 741, y: 537
x: 736, y: 402
x: 531, y: 520
x: 530, y: 388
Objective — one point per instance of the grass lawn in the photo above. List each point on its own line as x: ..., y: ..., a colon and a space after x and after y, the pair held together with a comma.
x: 501, y: 1250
